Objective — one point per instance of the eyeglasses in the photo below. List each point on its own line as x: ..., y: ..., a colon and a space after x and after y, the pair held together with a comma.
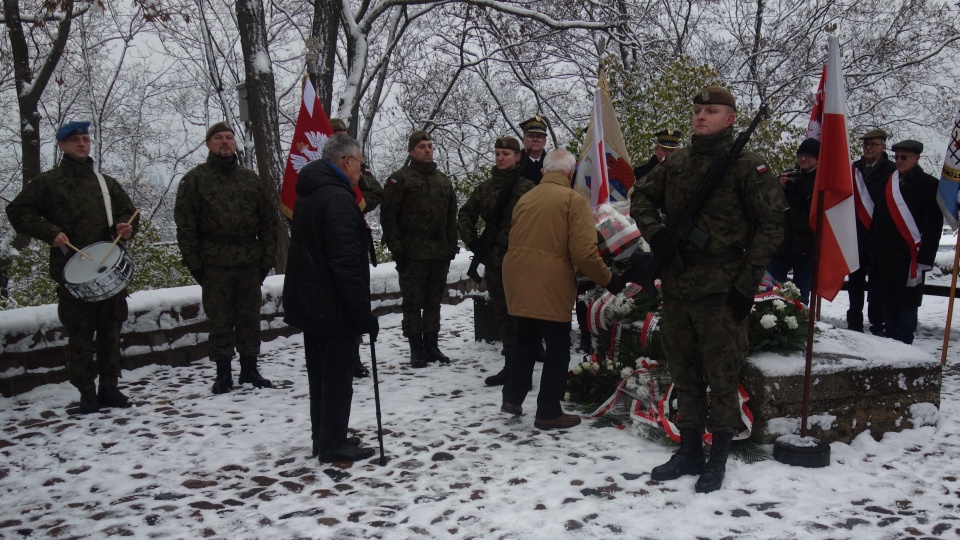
x: 873, y: 145
x: 904, y: 157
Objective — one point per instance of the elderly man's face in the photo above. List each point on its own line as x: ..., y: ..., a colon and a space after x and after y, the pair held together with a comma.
x: 76, y: 146
x: 872, y: 148
x: 222, y: 144
x: 662, y: 152
x: 906, y: 161
x: 534, y: 142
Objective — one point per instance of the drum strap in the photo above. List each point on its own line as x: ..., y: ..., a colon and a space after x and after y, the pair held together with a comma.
x: 107, y: 204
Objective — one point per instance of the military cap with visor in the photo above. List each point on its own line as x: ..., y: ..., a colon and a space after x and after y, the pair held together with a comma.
x: 534, y: 125
x: 507, y: 143
x: 668, y: 138
x: 715, y: 95
x: 72, y: 128
x: 217, y: 128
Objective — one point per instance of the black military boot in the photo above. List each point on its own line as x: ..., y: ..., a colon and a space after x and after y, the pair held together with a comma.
x: 500, y: 378
x: 431, y: 348
x: 687, y: 460
x: 418, y: 358
x: 359, y: 370
x: 224, y: 381
x: 88, y: 400
x: 712, y: 477
x: 109, y: 395
x: 249, y: 373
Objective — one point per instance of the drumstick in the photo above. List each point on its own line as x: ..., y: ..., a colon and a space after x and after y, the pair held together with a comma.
x: 80, y: 251
x: 117, y: 239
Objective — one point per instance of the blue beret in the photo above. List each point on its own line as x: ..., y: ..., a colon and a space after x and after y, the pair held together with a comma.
x: 72, y: 128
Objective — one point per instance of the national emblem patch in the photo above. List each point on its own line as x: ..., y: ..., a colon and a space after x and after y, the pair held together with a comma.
x: 762, y: 168
x: 392, y: 181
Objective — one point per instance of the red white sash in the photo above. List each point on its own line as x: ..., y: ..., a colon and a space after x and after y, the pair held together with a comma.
x: 861, y: 198
x: 904, y: 221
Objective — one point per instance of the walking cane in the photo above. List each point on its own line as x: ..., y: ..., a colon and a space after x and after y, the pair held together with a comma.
x: 376, y: 397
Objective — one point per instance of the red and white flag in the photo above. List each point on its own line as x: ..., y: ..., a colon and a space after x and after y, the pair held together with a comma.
x: 838, y: 243
x: 815, y: 126
x: 604, y: 173
x: 309, y: 137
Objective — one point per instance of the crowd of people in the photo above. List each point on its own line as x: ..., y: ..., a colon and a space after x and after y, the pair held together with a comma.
x: 532, y: 232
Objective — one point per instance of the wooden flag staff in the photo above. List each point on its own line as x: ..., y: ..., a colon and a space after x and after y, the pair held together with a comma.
x: 953, y: 293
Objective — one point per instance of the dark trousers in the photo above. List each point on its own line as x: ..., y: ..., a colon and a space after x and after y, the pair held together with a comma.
x: 802, y: 266
x: 330, y: 375
x: 553, y: 380
x: 899, y: 323
x: 856, y: 290
x: 421, y: 286
x: 92, y: 328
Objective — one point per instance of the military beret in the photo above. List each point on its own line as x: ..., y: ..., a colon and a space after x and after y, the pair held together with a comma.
x: 507, y: 143
x: 72, y: 128
x: 715, y: 95
x: 909, y: 145
x: 415, y: 139
x: 875, y: 134
x: 534, y: 125
x: 668, y: 138
x: 337, y: 125
x: 217, y: 128
x: 809, y: 147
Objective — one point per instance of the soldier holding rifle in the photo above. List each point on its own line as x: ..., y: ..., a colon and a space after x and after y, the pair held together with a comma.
x: 708, y: 290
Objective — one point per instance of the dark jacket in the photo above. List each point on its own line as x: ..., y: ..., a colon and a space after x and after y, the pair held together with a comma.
x: 483, y: 202
x: 643, y: 170
x: 530, y: 169
x: 889, y: 252
x: 326, y: 290
x: 876, y: 180
x: 419, y: 213
x: 797, y: 235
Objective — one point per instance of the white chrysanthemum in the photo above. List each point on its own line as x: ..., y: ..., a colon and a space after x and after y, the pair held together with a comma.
x: 595, y: 367
x: 585, y: 365
x: 791, y: 322
x: 566, y: 397
x: 778, y: 304
x: 625, y: 372
x: 609, y: 364
x: 768, y: 321
x: 577, y: 369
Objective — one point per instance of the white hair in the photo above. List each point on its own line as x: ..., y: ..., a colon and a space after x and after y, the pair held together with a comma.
x: 559, y: 161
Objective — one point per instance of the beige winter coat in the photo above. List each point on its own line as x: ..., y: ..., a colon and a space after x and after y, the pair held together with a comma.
x: 553, y: 231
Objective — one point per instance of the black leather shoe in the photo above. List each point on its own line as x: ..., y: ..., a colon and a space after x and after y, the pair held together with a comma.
x: 497, y: 380
x: 563, y: 421
x: 111, y: 396
x: 347, y: 452
x: 510, y: 408
x: 359, y: 370
x: 352, y: 441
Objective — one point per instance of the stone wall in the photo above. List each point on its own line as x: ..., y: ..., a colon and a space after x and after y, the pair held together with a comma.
x: 168, y: 327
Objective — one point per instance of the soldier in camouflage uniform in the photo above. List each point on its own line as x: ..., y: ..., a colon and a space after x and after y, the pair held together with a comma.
x: 226, y: 230
x: 372, y: 193
x: 706, y: 303
x: 419, y: 220
x: 482, y: 204
x: 67, y: 205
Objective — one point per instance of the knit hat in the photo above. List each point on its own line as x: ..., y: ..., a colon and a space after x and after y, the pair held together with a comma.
x: 809, y: 147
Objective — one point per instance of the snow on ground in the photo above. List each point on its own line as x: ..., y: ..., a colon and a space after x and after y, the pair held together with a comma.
x: 183, y: 463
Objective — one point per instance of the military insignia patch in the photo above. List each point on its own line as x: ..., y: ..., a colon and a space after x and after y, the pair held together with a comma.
x: 762, y: 168
x: 392, y: 181
x: 181, y: 183
x: 705, y: 96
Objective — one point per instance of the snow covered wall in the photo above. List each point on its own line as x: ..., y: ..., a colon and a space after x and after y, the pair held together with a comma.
x: 169, y: 327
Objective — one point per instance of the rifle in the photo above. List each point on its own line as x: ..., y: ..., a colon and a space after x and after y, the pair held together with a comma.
x: 491, y: 229
x: 685, y: 231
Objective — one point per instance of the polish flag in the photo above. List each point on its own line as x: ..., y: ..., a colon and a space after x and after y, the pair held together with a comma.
x: 838, y: 255
x: 309, y: 137
x: 604, y: 173
x: 815, y: 126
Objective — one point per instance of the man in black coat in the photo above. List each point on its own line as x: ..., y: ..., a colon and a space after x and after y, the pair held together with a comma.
x: 874, y: 168
x: 326, y: 292
x: 667, y: 141
x: 796, y: 251
x: 904, y: 238
x: 534, y: 148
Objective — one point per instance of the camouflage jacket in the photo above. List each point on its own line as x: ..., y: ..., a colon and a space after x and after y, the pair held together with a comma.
x: 68, y: 199
x: 225, y: 217
x: 743, y: 217
x: 419, y: 213
x: 483, y: 202
x: 371, y: 190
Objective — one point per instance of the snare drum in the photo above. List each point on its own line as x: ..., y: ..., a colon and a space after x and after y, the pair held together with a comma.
x: 92, y: 280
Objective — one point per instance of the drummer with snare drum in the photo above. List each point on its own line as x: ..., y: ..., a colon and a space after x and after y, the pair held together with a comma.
x: 73, y: 207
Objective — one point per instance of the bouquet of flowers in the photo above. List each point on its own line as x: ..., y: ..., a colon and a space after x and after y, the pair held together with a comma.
x: 779, y: 319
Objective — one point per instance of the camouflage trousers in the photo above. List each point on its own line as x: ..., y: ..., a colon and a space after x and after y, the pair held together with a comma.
x: 232, y: 301
x: 93, y: 331
x: 705, y: 347
x: 493, y: 274
x: 421, y: 286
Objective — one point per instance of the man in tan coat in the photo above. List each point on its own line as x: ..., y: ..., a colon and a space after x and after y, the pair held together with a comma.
x: 553, y: 231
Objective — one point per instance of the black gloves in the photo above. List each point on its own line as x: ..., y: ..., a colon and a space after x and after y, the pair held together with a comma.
x: 264, y: 272
x: 197, y: 274
x: 402, y: 262
x: 371, y: 326
x: 616, y: 284
x: 662, y: 247
x: 740, y: 305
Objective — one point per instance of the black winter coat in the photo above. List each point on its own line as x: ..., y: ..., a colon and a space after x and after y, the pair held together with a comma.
x: 643, y: 170
x: 326, y: 290
x: 889, y: 252
x: 876, y: 181
x: 797, y: 235
x: 532, y: 170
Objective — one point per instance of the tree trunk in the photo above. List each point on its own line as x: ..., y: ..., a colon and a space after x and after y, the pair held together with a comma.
x: 251, y: 22
x: 326, y: 22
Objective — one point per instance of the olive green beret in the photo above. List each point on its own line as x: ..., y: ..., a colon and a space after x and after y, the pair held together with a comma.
x: 507, y: 143
x: 715, y: 95
x: 875, y: 134
x: 909, y: 145
x: 217, y: 128
x: 337, y: 125
x: 415, y: 139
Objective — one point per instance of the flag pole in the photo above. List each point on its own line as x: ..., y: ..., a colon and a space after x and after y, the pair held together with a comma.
x: 953, y: 294
x: 811, y: 320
